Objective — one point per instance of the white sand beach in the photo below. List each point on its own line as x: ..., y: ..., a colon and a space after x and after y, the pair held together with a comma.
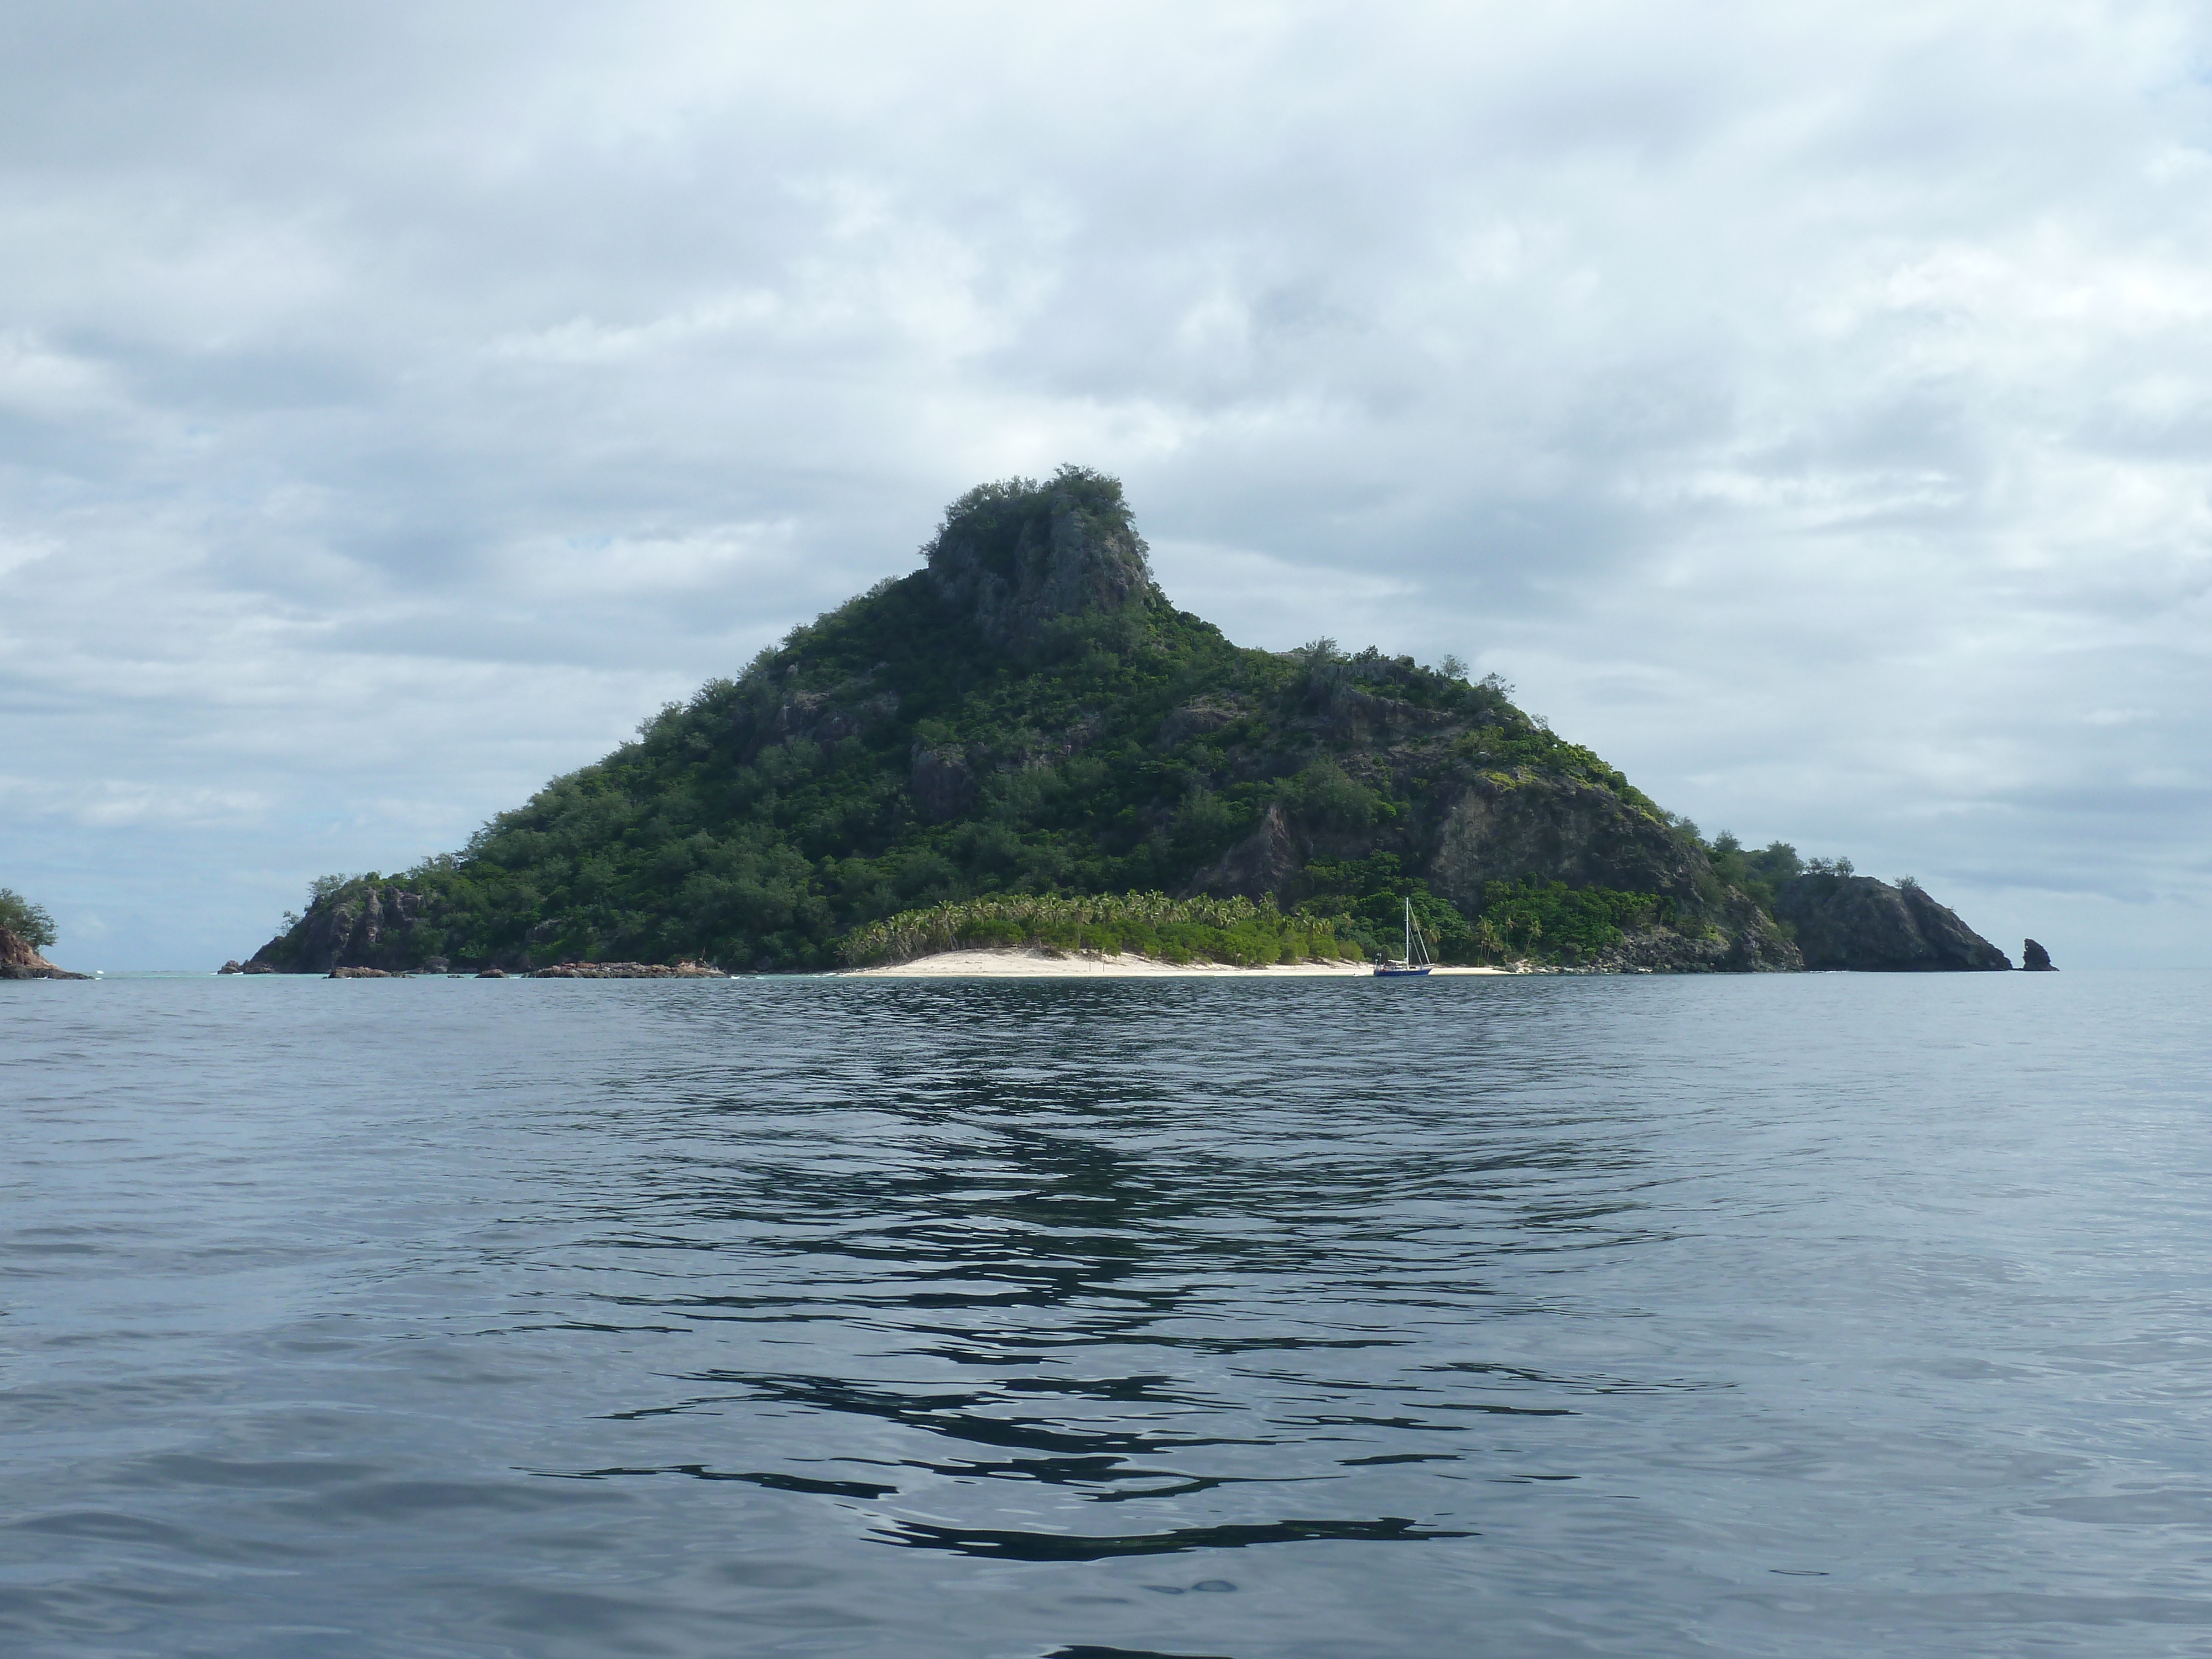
x: 1041, y: 964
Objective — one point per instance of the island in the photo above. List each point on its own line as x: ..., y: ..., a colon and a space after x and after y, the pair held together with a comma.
x: 1024, y: 745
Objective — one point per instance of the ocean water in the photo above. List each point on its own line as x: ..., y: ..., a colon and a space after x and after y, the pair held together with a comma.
x: 1829, y: 1315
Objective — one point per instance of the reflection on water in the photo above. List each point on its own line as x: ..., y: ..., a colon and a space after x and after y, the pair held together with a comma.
x: 449, y: 1317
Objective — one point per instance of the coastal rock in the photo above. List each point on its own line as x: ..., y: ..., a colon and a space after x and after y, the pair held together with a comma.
x: 492, y: 973
x: 1857, y: 923
x: 2035, y: 959
x: 364, y: 973
x: 234, y: 966
x: 629, y: 970
x: 257, y: 966
x: 1745, y: 941
x: 20, y: 959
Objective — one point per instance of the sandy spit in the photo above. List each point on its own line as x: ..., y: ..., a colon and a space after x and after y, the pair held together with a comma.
x: 1040, y: 964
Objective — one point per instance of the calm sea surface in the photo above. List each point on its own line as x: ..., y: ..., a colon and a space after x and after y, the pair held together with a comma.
x: 1831, y: 1314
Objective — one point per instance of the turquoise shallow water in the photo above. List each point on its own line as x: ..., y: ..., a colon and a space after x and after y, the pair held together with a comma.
x: 1807, y: 1315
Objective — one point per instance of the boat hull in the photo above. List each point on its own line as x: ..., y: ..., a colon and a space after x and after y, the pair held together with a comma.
x: 1401, y: 973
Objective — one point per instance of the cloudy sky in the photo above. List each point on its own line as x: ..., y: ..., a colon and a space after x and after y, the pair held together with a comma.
x: 1807, y: 407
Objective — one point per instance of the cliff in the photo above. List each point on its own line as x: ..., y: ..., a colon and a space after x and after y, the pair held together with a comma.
x: 1859, y: 923
x: 1028, y: 714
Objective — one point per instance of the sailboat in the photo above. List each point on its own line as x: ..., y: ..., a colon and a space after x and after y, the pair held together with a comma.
x: 1406, y: 965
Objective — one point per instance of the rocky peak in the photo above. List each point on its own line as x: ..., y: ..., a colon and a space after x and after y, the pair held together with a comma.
x: 1019, y: 555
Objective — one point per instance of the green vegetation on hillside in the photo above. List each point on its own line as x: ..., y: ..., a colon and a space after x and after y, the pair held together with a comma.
x: 1760, y: 872
x: 29, y: 922
x: 1545, y: 918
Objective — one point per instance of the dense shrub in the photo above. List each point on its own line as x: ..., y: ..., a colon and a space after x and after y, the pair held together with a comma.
x: 1548, y: 919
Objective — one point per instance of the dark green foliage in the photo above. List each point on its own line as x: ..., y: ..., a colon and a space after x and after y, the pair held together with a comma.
x: 1364, y: 899
x: 1553, y: 919
x: 1760, y: 872
x: 29, y: 922
x: 888, y: 758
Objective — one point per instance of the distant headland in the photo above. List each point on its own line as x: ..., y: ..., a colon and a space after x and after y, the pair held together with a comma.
x: 1024, y: 745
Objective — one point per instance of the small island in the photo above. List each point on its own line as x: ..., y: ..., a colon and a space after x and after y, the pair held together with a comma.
x: 1024, y: 746
x: 26, y: 929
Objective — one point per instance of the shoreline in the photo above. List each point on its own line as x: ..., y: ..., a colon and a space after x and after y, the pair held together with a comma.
x: 1034, y: 963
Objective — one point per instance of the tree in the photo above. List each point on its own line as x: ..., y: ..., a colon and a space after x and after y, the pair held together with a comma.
x: 28, y: 922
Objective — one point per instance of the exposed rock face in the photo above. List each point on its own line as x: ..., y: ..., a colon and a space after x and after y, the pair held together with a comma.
x: 20, y: 959
x: 1265, y: 863
x: 1506, y: 830
x: 1016, y: 572
x: 1754, y: 947
x: 365, y: 973
x: 1858, y: 922
x: 823, y: 717
x: 1193, y: 719
x: 944, y: 785
x: 371, y: 931
x: 1571, y: 831
x: 2034, y: 958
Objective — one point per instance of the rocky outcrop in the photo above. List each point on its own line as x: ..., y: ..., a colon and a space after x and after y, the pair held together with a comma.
x: 2035, y: 959
x: 20, y: 959
x: 367, y: 973
x: 1860, y: 923
x: 1755, y: 943
x: 256, y: 966
x: 1194, y: 719
x: 943, y: 784
x: 369, y: 928
x: 629, y: 970
x: 1505, y: 829
x: 824, y: 717
x: 1265, y: 863
x: 1016, y: 563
